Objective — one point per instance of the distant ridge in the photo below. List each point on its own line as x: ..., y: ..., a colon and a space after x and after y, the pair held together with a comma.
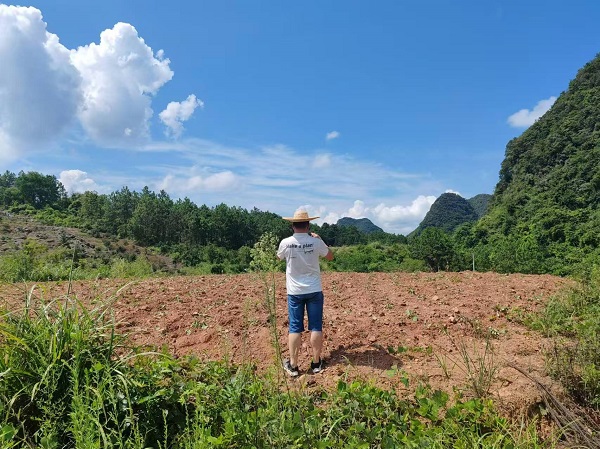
x: 480, y: 203
x: 447, y: 212
x: 362, y: 224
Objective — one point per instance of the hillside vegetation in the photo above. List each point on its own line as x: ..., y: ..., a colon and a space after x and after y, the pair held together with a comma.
x: 545, y: 206
x: 543, y: 216
x: 49, y: 235
x: 480, y: 203
x: 447, y: 212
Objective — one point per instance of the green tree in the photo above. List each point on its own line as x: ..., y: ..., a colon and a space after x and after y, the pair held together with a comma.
x: 434, y: 246
x: 39, y: 190
x: 151, y: 222
x: 91, y: 208
x: 119, y: 211
x: 517, y: 254
x: 9, y: 194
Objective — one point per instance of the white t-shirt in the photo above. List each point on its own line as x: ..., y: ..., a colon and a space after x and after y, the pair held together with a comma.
x: 301, y: 253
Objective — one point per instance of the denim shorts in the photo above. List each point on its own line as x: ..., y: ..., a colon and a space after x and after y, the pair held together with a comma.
x: 314, y: 309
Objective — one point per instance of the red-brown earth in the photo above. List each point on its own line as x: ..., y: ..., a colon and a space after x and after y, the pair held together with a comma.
x: 376, y: 325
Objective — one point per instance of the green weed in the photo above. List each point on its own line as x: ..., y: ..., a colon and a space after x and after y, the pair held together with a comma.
x: 572, y: 318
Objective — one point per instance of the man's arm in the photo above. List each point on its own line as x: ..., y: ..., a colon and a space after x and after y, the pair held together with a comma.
x: 281, y: 252
x: 329, y: 255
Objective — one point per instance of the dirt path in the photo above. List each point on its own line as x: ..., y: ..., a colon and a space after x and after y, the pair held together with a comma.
x: 375, y: 325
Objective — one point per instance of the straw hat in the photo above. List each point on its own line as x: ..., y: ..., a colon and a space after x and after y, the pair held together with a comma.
x: 299, y: 216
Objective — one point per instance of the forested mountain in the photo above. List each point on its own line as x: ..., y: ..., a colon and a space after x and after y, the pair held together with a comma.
x: 480, y: 203
x: 545, y: 205
x: 447, y: 212
x: 362, y: 224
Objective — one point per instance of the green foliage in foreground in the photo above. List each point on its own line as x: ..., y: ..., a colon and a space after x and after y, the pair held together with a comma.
x: 573, y: 318
x: 68, y: 381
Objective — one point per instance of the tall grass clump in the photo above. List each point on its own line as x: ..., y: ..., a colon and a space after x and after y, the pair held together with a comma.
x: 573, y: 319
x: 50, y: 355
x: 68, y: 381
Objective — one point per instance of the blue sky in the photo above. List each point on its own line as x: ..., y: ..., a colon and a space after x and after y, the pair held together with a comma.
x: 345, y: 108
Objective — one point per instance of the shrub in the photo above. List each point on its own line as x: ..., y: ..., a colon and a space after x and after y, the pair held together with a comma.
x: 121, y: 268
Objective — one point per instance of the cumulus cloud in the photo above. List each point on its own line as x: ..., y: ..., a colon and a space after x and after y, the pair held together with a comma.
x: 400, y: 219
x: 77, y: 181
x: 178, y: 112
x: 107, y: 87
x: 525, y: 117
x: 332, y: 135
x: 39, y: 86
x: 416, y: 210
x: 120, y: 75
x: 358, y: 210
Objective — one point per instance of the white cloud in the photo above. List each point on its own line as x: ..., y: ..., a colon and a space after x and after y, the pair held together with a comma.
x: 358, y: 210
x: 120, y: 74
x: 526, y: 117
x: 186, y: 185
x: 331, y: 218
x: 221, y: 181
x: 322, y: 160
x: 39, y: 87
x: 416, y: 210
x: 400, y: 219
x: 77, y: 181
x: 178, y: 112
x: 280, y: 179
x: 332, y: 135
x: 46, y: 88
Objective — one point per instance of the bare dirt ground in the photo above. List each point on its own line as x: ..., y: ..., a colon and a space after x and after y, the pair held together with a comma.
x: 375, y: 325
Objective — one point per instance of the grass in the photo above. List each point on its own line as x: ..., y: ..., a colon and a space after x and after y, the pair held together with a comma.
x: 36, y: 263
x: 479, y: 367
x: 572, y: 318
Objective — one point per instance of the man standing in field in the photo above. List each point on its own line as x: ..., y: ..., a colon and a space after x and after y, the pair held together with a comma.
x: 301, y: 252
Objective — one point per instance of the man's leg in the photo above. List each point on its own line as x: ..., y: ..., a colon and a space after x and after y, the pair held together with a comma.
x: 314, y: 309
x: 316, y: 341
x: 294, y: 340
x: 296, y: 326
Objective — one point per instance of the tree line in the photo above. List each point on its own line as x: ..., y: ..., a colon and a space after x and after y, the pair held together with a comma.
x: 192, y: 234
x: 220, y: 237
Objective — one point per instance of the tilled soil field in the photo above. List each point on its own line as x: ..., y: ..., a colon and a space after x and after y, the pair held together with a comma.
x: 376, y: 326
